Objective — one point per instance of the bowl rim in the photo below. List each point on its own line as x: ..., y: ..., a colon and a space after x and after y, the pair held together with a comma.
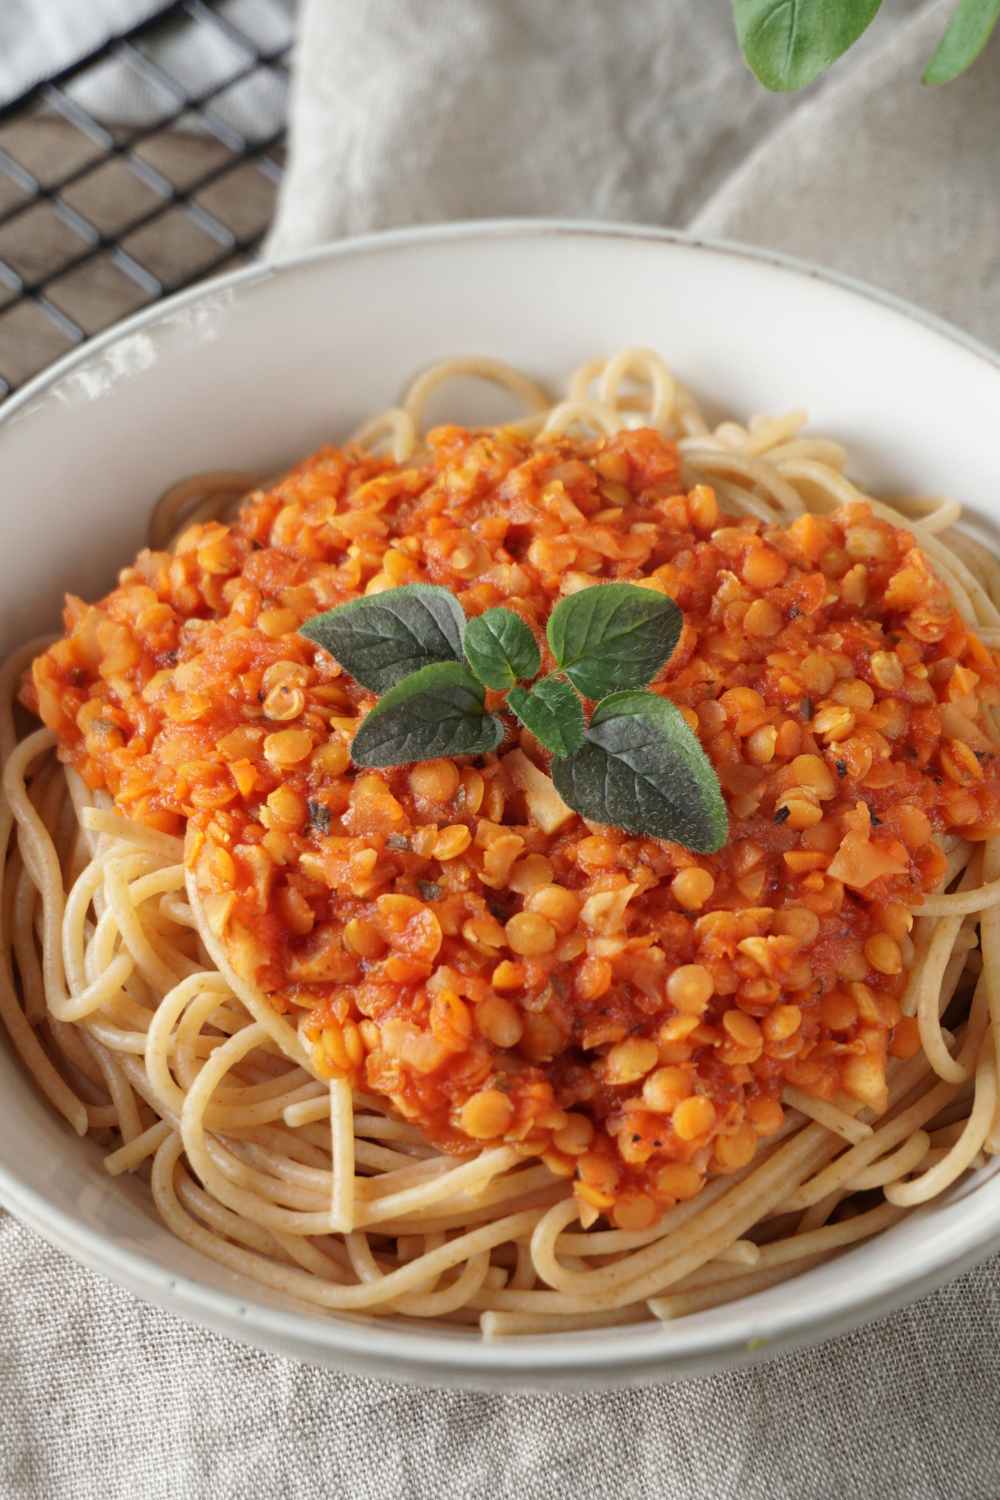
x: 572, y: 1358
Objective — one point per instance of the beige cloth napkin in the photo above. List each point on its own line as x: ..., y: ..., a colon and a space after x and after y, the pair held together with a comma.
x: 409, y: 110
x: 38, y: 38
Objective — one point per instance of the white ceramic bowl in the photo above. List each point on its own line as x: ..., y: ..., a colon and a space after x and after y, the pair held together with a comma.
x: 260, y: 367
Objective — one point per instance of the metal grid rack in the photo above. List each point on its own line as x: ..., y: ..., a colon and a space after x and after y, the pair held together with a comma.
x: 98, y: 218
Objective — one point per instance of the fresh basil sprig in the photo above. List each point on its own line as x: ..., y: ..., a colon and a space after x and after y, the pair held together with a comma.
x: 500, y: 649
x: 552, y: 711
x: 382, y: 638
x: 642, y: 769
x: 439, y: 710
x: 636, y: 766
x: 968, y: 32
x: 615, y: 636
x: 789, y: 43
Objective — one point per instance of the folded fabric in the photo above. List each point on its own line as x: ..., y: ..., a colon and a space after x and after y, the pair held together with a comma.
x: 476, y: 108
x: 404, y: 113
x: 38, y: 38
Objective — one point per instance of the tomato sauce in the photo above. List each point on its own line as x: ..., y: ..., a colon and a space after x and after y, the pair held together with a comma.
x: 497, y: 969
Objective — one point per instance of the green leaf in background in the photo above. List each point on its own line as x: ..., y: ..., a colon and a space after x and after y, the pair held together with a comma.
x: 500, y: 648
x: 382, y: 638
x: 436, y: 711
x: 967, y: 35
x: 641, y: 769
x: 788, y: 43
x: 552, y: 711
x: 613, y: 635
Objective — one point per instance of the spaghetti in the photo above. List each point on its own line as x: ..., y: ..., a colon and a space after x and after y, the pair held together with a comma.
x: 281, y: 1133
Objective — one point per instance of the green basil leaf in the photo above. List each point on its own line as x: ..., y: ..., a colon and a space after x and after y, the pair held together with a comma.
x: 500, y: 648
x: 436, y: 711
x: 613, y: 635
x: 967, y: 34
x: 788, y: 43
x: 382, y: 638
x: 552, y: 711
x: 641, y: 769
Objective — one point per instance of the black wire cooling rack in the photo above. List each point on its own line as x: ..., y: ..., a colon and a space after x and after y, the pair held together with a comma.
x: 99, y: 218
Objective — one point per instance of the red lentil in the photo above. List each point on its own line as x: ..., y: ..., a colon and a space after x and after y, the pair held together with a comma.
x: 619, y: 1006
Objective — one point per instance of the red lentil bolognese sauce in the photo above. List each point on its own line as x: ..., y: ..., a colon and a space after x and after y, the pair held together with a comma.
x: 458, y: 939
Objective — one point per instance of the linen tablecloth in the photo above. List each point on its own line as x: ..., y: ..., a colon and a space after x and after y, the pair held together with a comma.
x: 405, y: 111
